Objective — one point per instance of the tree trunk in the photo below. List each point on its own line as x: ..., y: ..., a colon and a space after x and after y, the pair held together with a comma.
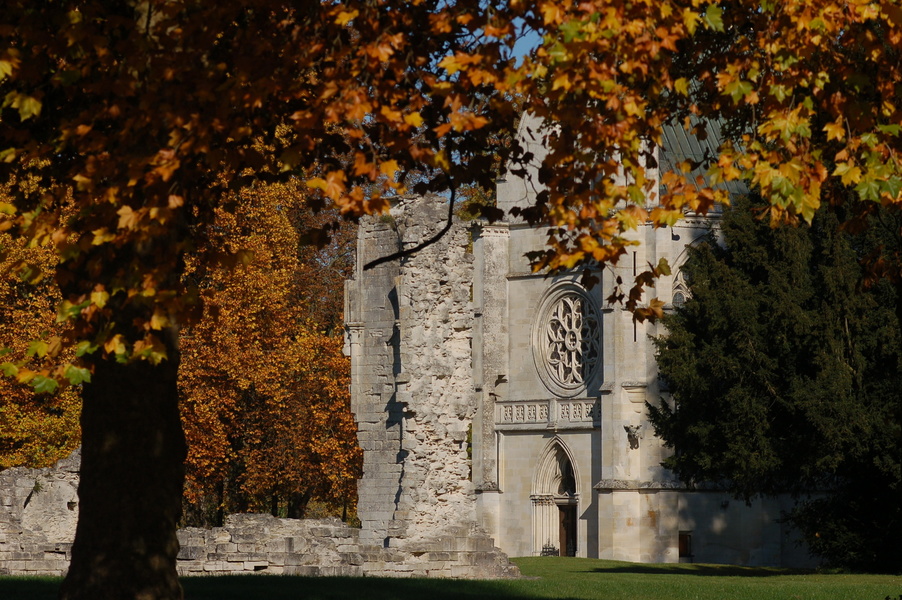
x: 297, y: 505
x: 130, y: 491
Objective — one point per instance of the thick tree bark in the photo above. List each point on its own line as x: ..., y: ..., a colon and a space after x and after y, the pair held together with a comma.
x: 130, y: 491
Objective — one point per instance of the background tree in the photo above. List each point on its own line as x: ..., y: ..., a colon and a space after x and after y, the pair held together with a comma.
x: 785, y: 376
x: 264, y: 384
x: 36, y: 428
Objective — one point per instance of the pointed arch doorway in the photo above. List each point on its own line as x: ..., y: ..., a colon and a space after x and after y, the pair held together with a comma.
x: 555, y: 503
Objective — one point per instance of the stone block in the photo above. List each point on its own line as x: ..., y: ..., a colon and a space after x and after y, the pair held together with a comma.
x: 191, y: 553
x: 45, y: 566
x: 245, y: 538
x: 303, y: 571
x: 461, y: 571
x: 439, y: 556
x: 352, y: 558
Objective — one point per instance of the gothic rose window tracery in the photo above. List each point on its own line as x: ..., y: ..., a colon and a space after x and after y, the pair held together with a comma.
x: 566, y: 340
x: 571, y: 349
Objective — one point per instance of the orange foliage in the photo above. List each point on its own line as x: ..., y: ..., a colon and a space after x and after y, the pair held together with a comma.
x: 265, y: 399
x: 36, y: 429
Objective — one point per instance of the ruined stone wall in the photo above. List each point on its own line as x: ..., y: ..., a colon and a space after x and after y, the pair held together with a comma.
x: 436, y: 325
x: 38, y: 513
x: 415, y: 315
x: 263, y: 544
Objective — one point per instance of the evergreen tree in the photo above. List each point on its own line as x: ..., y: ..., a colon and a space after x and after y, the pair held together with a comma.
x: 785, y: 377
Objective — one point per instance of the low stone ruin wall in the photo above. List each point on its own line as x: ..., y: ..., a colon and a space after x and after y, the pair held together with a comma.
x: 39, y: 511
x: 251, y: 543
x: 266, y: 545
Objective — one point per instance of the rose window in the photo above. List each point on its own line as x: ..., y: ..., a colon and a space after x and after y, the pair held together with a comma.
x: 567, y: 340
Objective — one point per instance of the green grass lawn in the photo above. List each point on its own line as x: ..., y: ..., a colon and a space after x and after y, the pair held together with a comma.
x: 559, y: 578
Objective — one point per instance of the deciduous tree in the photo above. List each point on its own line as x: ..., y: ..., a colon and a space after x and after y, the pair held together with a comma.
x: 36, y: 428
x: 264, y: 384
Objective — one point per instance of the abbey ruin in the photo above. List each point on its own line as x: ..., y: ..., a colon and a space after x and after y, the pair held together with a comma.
x: 515, y: 402
x: 501, y: 413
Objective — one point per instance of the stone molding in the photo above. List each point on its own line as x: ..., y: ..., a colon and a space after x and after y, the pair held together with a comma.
x: 607, y: 485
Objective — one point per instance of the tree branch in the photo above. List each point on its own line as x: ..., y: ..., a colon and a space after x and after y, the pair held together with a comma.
x: 420, y: 246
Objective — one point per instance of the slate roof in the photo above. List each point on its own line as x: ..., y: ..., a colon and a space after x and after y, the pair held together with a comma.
x: 679, y: 145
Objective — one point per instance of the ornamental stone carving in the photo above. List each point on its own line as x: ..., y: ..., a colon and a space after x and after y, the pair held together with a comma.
x: 566, y: 340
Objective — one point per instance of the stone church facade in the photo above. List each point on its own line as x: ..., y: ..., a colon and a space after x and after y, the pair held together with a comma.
x: 513, y: 403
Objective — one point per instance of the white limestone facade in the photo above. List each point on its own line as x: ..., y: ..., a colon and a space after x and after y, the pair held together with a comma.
x: 515, y: 402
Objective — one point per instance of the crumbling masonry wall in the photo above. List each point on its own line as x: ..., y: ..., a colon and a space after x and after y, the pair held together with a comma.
x: 410, y: 330
x: 38, y: 512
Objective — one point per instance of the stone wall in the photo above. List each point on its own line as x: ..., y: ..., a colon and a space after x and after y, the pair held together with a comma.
x: 410, y: 326
x: 250, y: 543
x: 38, y: 512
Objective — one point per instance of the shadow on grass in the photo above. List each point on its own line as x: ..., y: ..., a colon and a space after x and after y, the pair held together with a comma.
x: 278, y: 587
x: 29, y: 588
x: 701, y: 570
x: 344, y: 588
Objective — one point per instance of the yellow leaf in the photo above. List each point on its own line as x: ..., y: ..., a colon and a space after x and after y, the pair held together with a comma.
x: 27, y: 106
x: 316, y: 183
x: 6, y: 69
x: 99, y: 298
x: 441, y: 161
x: 389, y: 168
x: 561, y: 81
x: 115, y: 345
x: 413, y: 119
x: 389, y: 113
x: 551, y: 12
x: 835, y: 130
x: 159, y: 320
x: 127, y: 217
x: 690, y: 20
x: 681, y: 85
x: 849, y: 173
x: 101, y: 236
x: 344, y: 17
x: 25, y: 375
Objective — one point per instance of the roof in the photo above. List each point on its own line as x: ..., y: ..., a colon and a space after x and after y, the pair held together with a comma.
x: 680, y: 144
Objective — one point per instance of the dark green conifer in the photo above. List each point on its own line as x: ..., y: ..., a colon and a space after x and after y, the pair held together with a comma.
x: 785, y: 376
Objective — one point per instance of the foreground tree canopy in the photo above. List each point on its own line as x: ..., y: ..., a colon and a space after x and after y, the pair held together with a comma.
x: 785, y: 376
x: 127, y: 124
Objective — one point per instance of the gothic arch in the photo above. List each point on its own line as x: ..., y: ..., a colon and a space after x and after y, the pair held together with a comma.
x: 679, y: 291
x: 552, y: 463
x: 555, y: 501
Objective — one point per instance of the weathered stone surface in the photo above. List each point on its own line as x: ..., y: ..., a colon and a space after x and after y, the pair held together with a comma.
x: 38, y: 513
x: 410, y: 330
